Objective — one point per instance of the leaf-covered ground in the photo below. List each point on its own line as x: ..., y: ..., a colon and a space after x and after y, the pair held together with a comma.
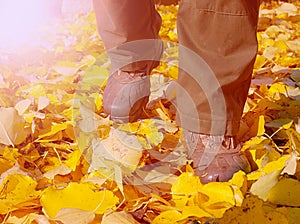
x: 63, y: 161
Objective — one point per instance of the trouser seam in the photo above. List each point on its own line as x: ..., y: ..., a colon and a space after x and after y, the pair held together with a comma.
x: 223, y: 13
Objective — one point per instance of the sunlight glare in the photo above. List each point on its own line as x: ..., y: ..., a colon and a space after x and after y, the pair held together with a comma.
x: 20, y: 20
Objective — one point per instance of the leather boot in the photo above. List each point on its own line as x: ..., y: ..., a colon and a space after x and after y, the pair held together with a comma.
x: 215, y: 158
x: 126, y: 94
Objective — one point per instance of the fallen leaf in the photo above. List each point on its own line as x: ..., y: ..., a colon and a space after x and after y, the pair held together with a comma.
x: 194, y: 211
x: 252, y: 207
x: 22, y: 106
x: 292, y: 214
x: 60, y: 170
x: 65, y: 70
x: 16, y: 169
x: 12, y: 127
x: 285, y: 123
x: 264, y: 184
x: 31, y: 218
x: 291, y: 165
x: 74, y: 216
x: 120, y: 147
x: 55, y: 128
x: 167, y: 217
x: 261, y: 125
x: 43, y: 102
x: 79, y: 196
x: 186, y: 190
x: 270, y: 167
x: 221, y: 197
x: 285, y: 192
x: 118, y: 218
x: 17, y: 189
x: 288, y: 8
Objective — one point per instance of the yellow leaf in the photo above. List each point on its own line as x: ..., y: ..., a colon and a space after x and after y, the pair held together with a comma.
x: 172, y: 36
x: 239, y: 186
x: 79, y: 196
x: 238, y: 194
x: 37, y: 90
x: 252, y: 211
x: 276, y: 89
x: 239, y: 179
x: 15, y: 169
x: 167, y: 217
x: 269, y: 168
x: 129, y: 127
x: 259, y: 62
x: 151, y: 135
x: 293, y: 214
x: 264, y: 184
x: 55, y: 128
x: 98, y: 102
x: 194, y: 211
x: 5, y: 165
x: 253, y: 142
x: 266, y: 42
x: 70, y: 113
x: 221, y: 197
x: 261, y: 125
x: 162, y: 115
x: 218, y: 192
x: 173, y: 72
x: 103, y: 131
x: 273, y: 31
x: 286, y: 192
x: 73, y: 159
x: 280, y: 44
x: 186, y: 190
x: 96, y: 74
x: 17, y: 189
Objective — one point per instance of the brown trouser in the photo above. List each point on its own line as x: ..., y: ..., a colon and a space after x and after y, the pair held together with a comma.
x: 221, y: 32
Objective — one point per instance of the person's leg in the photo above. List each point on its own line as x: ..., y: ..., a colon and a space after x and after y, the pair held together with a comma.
x: 223, y: 34
x: 129, y: 30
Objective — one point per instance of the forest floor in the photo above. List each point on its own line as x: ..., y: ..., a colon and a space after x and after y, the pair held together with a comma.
x: 63, y: 161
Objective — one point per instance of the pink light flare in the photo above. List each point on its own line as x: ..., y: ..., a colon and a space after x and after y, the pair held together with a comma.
x: 21, y: 20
